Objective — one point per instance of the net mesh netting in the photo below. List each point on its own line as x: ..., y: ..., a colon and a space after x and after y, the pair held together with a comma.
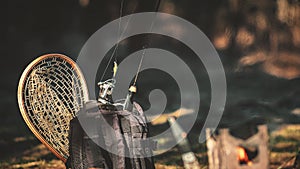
x: 52, y: 92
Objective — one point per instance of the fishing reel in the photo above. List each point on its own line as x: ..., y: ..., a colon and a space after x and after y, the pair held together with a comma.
x: 105, y: 91
x: 105, y: 95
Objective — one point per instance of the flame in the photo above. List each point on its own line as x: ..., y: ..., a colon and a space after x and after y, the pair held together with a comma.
x: 243, y: 156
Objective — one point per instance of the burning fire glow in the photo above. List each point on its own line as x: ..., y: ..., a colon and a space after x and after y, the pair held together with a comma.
x: 243, y: 156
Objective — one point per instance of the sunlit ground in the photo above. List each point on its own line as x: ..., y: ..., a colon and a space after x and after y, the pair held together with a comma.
x: 283, y: 145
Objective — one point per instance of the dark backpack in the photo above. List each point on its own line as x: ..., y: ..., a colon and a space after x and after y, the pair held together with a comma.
x: 123, y: 131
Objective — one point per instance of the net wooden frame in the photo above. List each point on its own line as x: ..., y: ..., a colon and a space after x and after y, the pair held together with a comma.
x: 51, y: 90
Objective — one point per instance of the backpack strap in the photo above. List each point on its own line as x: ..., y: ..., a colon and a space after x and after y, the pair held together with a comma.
x: 135, y: 131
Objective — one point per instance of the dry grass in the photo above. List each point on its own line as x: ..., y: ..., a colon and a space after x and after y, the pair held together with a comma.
x: 284, y: 144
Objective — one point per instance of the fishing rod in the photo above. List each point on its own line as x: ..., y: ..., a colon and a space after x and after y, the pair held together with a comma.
x: 106, y: 87
x: 133, y: 89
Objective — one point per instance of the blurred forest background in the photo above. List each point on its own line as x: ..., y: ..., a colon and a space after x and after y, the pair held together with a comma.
x: 258, y: 42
